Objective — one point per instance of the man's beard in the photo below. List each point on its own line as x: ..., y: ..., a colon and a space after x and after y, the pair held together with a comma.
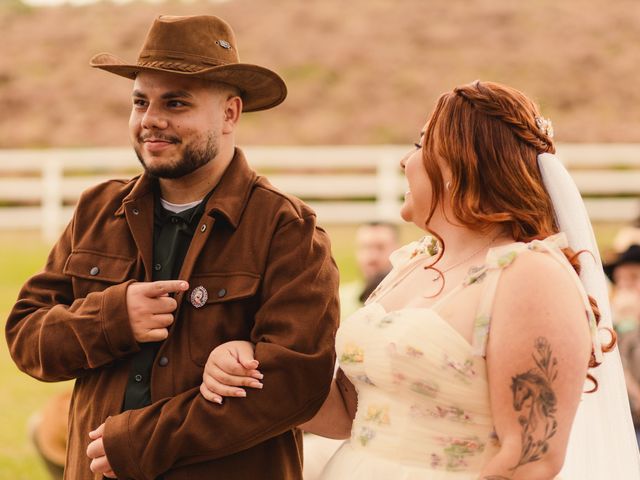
x: 192, y: 159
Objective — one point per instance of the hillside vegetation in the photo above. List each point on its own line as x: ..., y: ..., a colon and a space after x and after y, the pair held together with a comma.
x: 358, y: 71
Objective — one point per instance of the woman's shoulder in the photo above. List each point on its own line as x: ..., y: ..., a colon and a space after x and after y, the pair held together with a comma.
x: 537, y: 270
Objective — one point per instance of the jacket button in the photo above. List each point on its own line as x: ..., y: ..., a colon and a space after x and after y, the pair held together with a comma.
x: 163, y: 362
x: 138, y: 378
x: 135, y: 211
x: 94, y: 271
x: 157, y: 267
x: 222, y: 292
x: 203, y: 228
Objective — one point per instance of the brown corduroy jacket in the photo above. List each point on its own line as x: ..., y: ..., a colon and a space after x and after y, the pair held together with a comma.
x: 268, y: 270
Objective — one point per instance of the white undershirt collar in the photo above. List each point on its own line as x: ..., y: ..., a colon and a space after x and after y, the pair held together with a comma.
x: 178, y: 207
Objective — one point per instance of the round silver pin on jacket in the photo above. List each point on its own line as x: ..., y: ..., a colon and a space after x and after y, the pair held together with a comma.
x: 199, y: 296
x: 224, y: 44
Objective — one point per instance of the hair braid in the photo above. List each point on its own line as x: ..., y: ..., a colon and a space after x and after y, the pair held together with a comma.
x: 510, y: 111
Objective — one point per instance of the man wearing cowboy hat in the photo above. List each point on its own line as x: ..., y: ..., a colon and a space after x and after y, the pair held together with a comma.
x: 153, y: 273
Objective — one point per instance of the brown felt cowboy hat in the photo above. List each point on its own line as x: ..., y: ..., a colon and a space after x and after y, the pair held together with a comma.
x: 200, y: 46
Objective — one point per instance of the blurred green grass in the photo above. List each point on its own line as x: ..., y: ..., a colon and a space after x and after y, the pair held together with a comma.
x: 23, y: 254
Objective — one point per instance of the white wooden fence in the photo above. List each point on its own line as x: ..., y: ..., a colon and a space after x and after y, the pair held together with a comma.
x: 345, y: 184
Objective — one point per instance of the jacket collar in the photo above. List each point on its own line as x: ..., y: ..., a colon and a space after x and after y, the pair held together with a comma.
x: 142, y: 186
x: 229, y: 197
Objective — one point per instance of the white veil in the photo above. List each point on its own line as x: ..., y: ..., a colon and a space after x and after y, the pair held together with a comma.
x: 602, y: 445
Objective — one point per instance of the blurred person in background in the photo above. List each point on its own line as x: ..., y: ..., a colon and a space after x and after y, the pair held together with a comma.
x: 471, y: 359
x: 375, y: 241
x: 154, y: 272
x: 624, y: 272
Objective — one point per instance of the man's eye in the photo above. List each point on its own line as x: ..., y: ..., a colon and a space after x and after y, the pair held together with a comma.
x: 417, y: 145
x: 176, y: 103
x: 139, y: 102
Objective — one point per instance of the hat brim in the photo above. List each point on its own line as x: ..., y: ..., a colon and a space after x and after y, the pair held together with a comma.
x: 260, y: 87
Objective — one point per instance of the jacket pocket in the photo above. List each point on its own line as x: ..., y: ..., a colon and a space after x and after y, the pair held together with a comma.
x: 220, y: 307
x: 94, y: 271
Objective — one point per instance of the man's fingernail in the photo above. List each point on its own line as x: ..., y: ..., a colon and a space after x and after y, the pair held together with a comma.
x: 241, y: 393
x: 259, y: 376
x: 218, y: 400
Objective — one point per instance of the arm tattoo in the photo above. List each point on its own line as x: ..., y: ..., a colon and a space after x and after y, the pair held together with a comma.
x: 534, y: 397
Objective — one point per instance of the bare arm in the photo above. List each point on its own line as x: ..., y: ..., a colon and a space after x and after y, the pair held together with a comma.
x: 537, y: 361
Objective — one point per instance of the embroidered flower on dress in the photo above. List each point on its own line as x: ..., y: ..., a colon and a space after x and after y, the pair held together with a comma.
x: 481, y: 331
x: 457, y: 450
x: 475, y: 275
x: 507, y: 259
x: 377, y: 414
x: 398, y: 377
x: 455, y: 414
x: 413, y: 352
x: 366, y: 435
x: 387, y: 320
x: 352, y: 354
x: 429, y: 389
x: 426, y: 245
x: 465, y: 371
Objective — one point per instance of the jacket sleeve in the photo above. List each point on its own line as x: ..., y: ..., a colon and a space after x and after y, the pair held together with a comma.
x: 294, y: 332
x: 54, y: 336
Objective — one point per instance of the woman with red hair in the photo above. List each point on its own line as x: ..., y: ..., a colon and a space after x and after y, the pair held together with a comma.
x: 471, y: 358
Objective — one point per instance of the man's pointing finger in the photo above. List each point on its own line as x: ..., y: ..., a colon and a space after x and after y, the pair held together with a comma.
x: 164, y: 287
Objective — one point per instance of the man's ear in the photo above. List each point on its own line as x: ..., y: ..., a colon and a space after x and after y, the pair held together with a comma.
x: 232, y: 111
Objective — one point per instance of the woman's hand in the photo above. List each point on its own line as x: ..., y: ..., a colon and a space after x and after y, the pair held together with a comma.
x: 229, y: 366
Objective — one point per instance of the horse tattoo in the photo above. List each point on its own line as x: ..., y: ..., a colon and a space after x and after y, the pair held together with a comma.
x: 533, y: 395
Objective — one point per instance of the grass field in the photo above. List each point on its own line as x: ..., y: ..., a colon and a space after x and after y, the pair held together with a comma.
x: 22, y: 254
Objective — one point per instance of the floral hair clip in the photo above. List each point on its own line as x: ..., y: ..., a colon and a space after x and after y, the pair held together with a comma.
x: 545, y: 126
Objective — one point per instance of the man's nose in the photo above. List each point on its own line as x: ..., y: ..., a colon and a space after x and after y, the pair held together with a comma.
x: 153, y: 118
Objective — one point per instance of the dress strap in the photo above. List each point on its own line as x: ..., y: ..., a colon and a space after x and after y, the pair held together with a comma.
x: 482, y: 320
x: 497, y: 260
x: 501, y: 257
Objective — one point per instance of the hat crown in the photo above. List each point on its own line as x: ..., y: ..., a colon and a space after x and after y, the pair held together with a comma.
x: 197, y: 39
x: 199, y: 46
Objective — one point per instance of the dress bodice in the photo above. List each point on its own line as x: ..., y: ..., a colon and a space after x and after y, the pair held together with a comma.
x: 423, y: 392
x: 422, y: 395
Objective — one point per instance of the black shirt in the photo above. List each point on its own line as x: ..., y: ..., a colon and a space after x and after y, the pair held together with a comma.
x: 172, y: 234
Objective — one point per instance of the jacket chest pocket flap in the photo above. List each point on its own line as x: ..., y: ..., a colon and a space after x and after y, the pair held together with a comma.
x: 94, y: 271
x: 222, y: 287
x: 221, y: 309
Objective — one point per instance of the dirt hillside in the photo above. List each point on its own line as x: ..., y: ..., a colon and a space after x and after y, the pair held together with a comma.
x: 358, y: 71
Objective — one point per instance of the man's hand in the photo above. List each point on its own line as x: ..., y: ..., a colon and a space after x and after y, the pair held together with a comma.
x: 150, y: 308
x: 95, y: 451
